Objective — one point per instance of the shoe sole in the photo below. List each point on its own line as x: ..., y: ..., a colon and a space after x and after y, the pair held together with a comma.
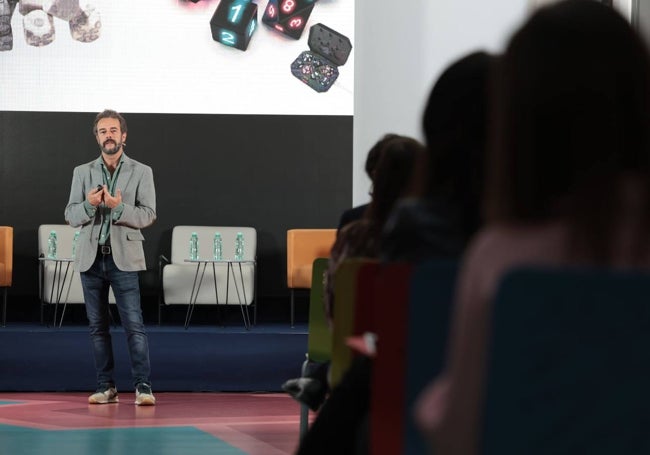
x: 112, y: 400
x: 145, y: 402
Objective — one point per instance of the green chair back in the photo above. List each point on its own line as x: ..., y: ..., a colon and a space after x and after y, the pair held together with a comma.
x: 319, y: 338
x: 345, y: 295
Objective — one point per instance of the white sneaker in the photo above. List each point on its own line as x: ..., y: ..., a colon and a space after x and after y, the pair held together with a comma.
x: 144, y: 395
x: 103, y: 395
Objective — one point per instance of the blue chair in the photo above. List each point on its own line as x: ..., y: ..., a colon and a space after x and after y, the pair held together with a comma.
x: 569, y: 364
x: 431, y: 297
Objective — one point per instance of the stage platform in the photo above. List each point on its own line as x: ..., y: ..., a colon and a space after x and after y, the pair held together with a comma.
x: 200, y: 359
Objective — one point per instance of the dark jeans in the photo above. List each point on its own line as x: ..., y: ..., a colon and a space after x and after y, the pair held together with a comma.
x: 126, y: 288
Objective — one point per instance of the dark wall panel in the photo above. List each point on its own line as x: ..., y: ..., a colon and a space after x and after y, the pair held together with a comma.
x: 270, y: 172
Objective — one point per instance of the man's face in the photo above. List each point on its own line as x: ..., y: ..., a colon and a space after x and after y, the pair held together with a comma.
x: 110, y: 136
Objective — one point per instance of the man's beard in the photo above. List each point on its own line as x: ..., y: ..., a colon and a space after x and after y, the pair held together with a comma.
x: 111, y: 151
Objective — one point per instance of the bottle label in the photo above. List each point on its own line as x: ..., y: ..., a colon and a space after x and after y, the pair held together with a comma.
x: 51, y: 246
x: 194, y: 246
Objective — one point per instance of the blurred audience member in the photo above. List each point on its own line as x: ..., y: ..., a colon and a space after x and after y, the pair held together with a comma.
x: 339, y: 427
x: 568, y: 184
x: 437, y: 224
x: 441, y: 221
x: 394, y: 178
x: 372, y: 159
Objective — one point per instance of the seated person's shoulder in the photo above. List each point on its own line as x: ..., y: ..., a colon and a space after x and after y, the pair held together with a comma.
x: 351, y: 215
x: 499, y: 247
x: 417, y: 230
x: 357, y: 239
x: 493, y: 238
x: 356, y: 230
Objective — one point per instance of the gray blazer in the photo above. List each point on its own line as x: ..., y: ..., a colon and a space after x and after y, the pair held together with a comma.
x: 135, y: 180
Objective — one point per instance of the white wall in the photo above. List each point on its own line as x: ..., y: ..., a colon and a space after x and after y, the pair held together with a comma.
x: 401, y: 48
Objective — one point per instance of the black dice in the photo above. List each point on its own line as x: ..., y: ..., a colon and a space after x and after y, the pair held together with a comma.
x: 288, y: 16
x: 234, y: 22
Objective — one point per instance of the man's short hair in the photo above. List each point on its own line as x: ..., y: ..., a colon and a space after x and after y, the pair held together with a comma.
x: 109, y: 113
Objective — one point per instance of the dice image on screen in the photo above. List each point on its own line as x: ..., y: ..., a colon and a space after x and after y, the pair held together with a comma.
x: 234, y: 22
x: 319, y: 66
x: 288, y: 16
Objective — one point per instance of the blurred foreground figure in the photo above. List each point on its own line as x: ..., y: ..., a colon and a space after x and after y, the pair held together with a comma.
x: 568, y: 184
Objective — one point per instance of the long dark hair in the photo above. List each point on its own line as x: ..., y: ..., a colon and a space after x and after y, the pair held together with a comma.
x: 398, y: 159
x: 572, y: 113
x: 455, y: 127
x: 393, y: 176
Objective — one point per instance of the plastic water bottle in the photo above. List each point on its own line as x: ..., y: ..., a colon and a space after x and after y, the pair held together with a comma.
x: 74, y: 244
x: 217, y: 247
x: 239, y: 247
x: 194, y: 246
x: 51, y: 245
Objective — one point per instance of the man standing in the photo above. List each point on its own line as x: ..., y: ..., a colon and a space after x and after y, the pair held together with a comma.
x: 112, y: 198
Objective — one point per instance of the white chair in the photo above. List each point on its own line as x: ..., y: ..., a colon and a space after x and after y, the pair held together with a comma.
x: 59, y: 284
x: 210, y: 283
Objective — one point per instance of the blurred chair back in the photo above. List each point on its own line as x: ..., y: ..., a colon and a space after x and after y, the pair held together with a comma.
x: 346, y: 293
x: 319, y: 336
x: 431, y: 296
x: 569, y: 364
x: 365, y: 304
x: 6, y: 265
x: 388, y: 378
x: 303, y: 246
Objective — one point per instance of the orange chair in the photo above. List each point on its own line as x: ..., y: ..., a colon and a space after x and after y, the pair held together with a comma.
x: 6, y: 265
x: 303, y: 246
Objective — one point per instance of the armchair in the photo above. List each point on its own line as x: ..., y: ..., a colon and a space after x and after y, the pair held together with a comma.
x: 210, y: 283
x: 303, y: 247
x: 58, y: 282
x: 6, y: 265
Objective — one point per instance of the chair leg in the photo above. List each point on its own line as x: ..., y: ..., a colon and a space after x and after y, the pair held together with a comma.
x: 4, y: 306
x: 304, y: 410
x: 304, y: 420
x: 255, y: 294
x: 160, y: 304
x: 292, y: 303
